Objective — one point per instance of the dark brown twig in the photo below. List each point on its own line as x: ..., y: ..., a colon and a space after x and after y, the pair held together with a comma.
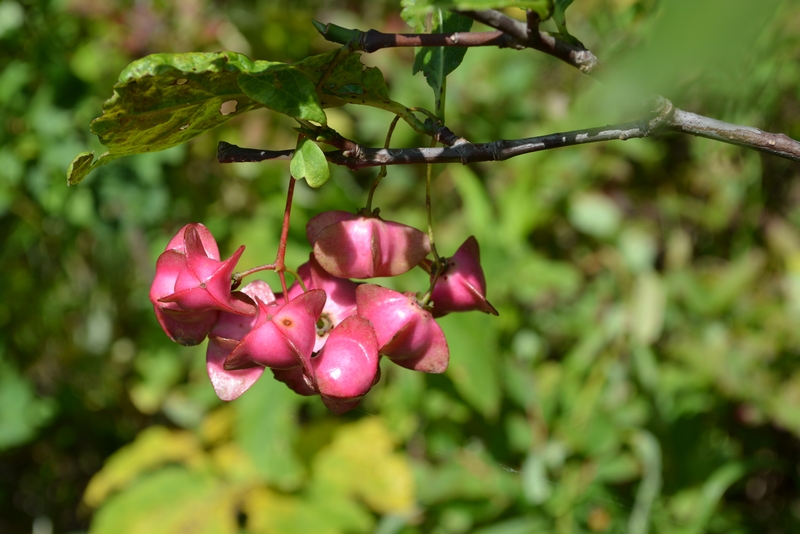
x: 666, y: 119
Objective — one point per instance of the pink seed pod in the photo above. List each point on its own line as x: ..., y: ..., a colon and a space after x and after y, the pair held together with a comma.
x: 208, y: 241
x: 187, y: 325
x: 205, y: 282
x: 365, y: 247
x: 462, y: 285
x: 283, y: 336
x: 406, y: 332
x: 346, y: 367
x: 319, y: 222
x: 340, y: 302
x: 226, y: 335
x: 184, y: 327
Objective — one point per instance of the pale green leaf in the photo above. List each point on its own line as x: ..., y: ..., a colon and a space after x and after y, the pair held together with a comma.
x: 309, y: 163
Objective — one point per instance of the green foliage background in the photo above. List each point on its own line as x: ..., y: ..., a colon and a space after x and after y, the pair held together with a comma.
x: 643, y: 373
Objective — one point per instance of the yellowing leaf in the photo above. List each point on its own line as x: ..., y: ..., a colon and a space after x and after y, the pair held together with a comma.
x: 269, y: 512
x: 152, y: 448
x: 361, y: 462
x: 170, y: 501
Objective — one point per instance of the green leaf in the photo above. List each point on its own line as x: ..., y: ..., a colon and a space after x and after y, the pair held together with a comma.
x: 265, y: 430
x: 473, y: 360
x: 436, y: 62
x: 284, y: 89
x: 350, y: 82
x: 309, y: 162
x: 164, y: 100
x: 415, y: 10
x: 561, y: 22
x: 22, y: 412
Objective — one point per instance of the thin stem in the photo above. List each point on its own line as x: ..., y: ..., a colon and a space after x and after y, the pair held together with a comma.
x: 297, y: 278
x: 280, y: 266
x: 382, y: 172
x: 238, y: 277
x: 428, y: 209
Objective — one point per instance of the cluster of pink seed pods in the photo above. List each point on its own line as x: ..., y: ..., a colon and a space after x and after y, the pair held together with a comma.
x: 325, y: 336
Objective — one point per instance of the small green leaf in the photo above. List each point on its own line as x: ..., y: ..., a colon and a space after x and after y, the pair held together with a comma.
x: 284, y: 89
x: 309, y: 162
x: 436, y: 62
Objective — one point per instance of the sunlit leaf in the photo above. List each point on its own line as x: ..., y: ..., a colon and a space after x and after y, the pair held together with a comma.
x: 285, y: 89
x: 163, y: 100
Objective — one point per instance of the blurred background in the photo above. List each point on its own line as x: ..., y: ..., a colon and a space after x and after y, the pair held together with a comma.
x: 643, y: 374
